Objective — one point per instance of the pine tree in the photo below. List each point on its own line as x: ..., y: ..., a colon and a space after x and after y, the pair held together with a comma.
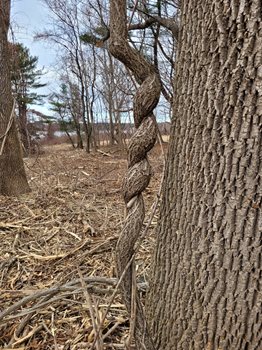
x: 25, y: 77
x: 60, y: 105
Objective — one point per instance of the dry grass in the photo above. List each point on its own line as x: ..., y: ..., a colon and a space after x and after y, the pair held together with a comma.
x: 57, y: 244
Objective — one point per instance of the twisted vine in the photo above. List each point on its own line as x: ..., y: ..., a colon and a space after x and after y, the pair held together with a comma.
x: 139, y: 170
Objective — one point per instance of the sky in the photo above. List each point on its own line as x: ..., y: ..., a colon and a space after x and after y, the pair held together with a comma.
x: 27, y: 18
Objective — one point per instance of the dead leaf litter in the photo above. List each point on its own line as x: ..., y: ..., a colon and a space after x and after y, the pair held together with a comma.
x: 57, y: 270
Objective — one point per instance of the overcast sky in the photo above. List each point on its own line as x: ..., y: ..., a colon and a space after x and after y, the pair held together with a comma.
x: 27, y: 18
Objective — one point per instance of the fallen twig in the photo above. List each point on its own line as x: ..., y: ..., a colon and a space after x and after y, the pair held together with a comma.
x: 104, y: 153
x: 50, y: 292
x: 99, y: 342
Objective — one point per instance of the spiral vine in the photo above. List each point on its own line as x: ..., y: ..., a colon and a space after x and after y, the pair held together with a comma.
x: 139, y: 170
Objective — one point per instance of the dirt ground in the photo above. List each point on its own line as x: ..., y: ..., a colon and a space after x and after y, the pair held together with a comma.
x: 57, y: 273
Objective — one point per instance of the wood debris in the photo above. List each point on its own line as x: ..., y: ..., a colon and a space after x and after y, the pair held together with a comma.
x: 57, y: 271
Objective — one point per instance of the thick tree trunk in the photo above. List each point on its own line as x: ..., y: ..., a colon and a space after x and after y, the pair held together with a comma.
x: 205, y: 282
x: 12, y: 173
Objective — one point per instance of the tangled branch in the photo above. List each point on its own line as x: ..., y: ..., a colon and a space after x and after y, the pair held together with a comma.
x: 139, y: 170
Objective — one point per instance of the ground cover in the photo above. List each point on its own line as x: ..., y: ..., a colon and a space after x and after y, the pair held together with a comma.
x: 57, y: 272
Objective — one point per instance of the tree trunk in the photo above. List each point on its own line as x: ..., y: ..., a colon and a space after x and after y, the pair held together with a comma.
x: 12, y: 173
x: 111, y: 122
x: 92, y: 101
x: 70, y: 138
x: 94, y: 138
x: 87, y: 130
x: 205, y: 280
x: 25, y: 137
x: 79, y: 141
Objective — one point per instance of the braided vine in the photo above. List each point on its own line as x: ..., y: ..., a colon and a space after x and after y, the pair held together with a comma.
x: 139, y: 170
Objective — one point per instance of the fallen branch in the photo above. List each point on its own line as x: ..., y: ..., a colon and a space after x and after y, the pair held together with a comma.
x: 104, y: 153
x: 50, y: 296
x: 50, y: 292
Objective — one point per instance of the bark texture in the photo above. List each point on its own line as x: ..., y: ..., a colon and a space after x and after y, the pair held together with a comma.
x: 205, y: 291
x: 12, y: 173
x: 139, y: 170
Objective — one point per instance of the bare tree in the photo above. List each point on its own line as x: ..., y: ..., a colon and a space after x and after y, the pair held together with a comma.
x: 117, y: 92
x: 66, y: 32
x: 75, y: 22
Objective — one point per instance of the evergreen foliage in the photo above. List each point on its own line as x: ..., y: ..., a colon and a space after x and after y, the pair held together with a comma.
x: 25, y: 76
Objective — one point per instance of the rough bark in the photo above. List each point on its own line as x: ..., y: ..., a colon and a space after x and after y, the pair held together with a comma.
x: 139, y: 170
x: 205, y: 291
x: 12, y: 173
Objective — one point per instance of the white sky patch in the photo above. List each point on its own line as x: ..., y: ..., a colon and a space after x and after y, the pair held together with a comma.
x: 27, y: 18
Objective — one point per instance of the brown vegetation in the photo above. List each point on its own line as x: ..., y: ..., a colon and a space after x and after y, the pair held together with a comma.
x: 58, y: 239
